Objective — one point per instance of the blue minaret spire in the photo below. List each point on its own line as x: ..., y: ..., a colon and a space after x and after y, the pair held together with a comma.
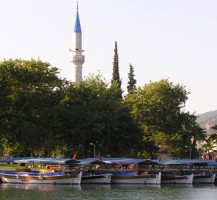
x: 77, y: 28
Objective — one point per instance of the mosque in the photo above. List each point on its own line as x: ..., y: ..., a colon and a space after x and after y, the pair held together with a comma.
x: 77, y: 59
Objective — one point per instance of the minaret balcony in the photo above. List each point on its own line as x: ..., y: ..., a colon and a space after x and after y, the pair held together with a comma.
x: 77, y: 59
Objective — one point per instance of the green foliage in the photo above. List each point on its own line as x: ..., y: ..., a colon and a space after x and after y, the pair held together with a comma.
x: 29, y: 91
x: 43, y: 115
x: 131, y: 80
x: 98, y: 116
x: 115, y: 73
x: 209, y: 145
x: 158, y: 109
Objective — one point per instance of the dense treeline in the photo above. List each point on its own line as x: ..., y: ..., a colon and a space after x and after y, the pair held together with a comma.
x: 44, y: 115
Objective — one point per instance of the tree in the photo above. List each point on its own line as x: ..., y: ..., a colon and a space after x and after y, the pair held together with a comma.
x: 96, y: 115
x: 115, y: 72
x: 43, y: 115
x: 131, y: 80
x: 31, y: 90
x: 158, y: 107
x: 214, y: 127
x: 209, y: 145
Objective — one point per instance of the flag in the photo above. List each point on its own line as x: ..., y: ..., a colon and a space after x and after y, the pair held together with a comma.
x: 74, y: 156
x: 100, y: 156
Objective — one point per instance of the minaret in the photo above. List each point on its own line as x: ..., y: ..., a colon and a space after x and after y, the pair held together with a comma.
x: 77, y: 58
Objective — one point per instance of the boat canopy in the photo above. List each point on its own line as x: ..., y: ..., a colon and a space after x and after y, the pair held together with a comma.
x: 114, y: 161
x: 14, y: 160
x: 212, y: 164
x: 92, y: 161
x: 201, y: 162
x: 178, y: 162
x: 196, y: 162
x: 128, y: 161
x: 61, y: 161
x: 34, y: 160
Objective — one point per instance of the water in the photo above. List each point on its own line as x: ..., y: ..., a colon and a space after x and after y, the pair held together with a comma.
x: 110, y: 192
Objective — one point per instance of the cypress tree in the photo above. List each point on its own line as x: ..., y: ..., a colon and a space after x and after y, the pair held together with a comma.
x: 115, y: 73
x: 131, y: 85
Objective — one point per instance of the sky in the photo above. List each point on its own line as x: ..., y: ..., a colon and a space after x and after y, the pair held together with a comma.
x: 162, y: 39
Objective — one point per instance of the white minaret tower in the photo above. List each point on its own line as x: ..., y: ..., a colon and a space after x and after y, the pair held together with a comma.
x: 77, y: 58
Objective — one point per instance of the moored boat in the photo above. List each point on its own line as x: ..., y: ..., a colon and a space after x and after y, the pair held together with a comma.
x: 133, y: 178
x: 204, y: 178
x: 41, y: 176
x: 93, y: 171
x: 176, y: 179
x: 177, y: 172
x: 134, y: 171
x: 213, y: 167
x: 203, y: 173
x: 104, y: 178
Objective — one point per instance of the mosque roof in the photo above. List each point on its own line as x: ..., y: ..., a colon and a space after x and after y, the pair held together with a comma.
x: 77, y: 28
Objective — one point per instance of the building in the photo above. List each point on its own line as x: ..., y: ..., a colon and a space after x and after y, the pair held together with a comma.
x: 77, y: 59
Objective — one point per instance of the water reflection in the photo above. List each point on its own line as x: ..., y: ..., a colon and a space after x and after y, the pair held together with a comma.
x: 135, y: 186
x: 108, y: 192
x: 47, y: 187
x: 51, y: 187
x: 38, y: 187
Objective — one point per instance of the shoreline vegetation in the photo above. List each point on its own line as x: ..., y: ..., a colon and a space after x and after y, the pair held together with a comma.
x: 43, y: 115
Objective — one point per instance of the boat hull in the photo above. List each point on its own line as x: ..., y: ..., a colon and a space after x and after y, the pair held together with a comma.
x: 137, y: 179
x: 204, y: 179
x: 37, y: 178
x: 96, y: 179
x: 184, y: 179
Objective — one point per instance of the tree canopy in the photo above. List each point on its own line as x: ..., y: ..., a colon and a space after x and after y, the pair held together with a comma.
x: 131, y: 85
x: 29, y: 92
x: 115, y: 72
x: 44, y: 115
x: 158, y: 108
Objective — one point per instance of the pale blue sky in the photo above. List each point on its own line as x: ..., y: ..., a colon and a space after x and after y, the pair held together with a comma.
x: 174, y: 39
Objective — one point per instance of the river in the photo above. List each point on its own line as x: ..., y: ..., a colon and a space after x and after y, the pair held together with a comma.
x: 110, y: 192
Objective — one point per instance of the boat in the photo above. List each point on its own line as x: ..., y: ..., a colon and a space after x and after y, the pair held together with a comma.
x: 53, y: 173
x: 203, y: 173
x: 173, y: 178
x: 133, y: 178
x: 204, y: 178
x: 177, y: 172
x: 40, y: 178
x: 92, y: 178
x: 94, y: 172
x: 213, y: 168
x: 130, y: 171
